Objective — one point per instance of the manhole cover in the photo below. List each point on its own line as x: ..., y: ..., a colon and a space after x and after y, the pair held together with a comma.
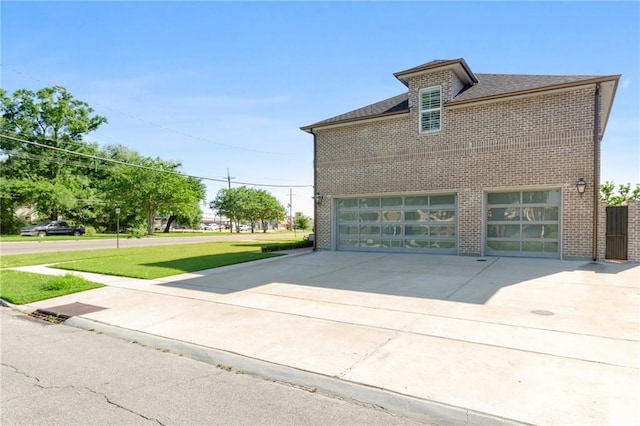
x: 51, y: 317
x: 542, y: 312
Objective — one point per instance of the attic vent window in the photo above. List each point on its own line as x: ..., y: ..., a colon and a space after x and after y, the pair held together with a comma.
x: 430, y: 109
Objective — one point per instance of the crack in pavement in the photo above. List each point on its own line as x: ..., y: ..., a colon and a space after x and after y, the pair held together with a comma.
x: 109, y: 401
x: 38, y: 384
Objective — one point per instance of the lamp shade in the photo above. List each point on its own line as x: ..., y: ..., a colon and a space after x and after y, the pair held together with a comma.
x: 581, y: 185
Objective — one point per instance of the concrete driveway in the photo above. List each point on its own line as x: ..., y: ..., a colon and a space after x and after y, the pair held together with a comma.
x: 447, y: 339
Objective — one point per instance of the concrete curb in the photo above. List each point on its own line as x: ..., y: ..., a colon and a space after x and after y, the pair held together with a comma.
x: 429, y: 412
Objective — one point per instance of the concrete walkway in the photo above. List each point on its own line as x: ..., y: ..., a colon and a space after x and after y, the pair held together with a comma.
x: 445, y: 339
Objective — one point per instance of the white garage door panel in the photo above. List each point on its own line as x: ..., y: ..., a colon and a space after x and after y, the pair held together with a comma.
x: 425, y: 223
x: 523, y: 223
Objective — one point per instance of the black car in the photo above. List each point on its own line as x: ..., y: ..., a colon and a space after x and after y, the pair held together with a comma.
x: 52, y: 227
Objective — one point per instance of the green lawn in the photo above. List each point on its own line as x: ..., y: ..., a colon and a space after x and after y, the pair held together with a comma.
x: 23, y: 287
x: 148, y: 262
x: 140, y: 262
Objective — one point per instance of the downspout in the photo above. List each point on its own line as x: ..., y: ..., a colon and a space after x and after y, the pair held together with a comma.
x: 596, y: 170
x: 315, y: 186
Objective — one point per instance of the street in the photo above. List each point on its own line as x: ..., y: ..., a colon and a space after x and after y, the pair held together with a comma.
x: 58, y: 374
x: 42, y: 245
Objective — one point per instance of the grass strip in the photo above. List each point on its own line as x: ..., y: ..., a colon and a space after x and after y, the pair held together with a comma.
x: 147, y: 262
x: 19, y: 287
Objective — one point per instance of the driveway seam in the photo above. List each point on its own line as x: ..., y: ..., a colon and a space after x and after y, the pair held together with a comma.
x: 489, y: 264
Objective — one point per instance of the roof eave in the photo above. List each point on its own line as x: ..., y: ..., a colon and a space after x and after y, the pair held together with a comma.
x: 535, y: 91
x: 348, y: 121
x: 459, y: 66
x: 608, y: 93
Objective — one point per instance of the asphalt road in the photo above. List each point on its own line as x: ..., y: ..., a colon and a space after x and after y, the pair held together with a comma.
x: 41, y: 245
x: 56, y: 374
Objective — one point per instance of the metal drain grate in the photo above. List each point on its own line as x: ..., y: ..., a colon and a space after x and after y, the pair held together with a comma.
x: 50, y: 317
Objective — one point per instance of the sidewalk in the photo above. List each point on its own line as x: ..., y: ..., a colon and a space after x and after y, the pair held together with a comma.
x: 445, y: 339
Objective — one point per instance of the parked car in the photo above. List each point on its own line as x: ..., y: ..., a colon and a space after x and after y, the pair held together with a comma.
x: 244, y: 228
x: 52, y: 227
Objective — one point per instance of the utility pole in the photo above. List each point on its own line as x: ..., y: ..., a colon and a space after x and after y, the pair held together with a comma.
x: 291, y: 224
x: 229, y: 178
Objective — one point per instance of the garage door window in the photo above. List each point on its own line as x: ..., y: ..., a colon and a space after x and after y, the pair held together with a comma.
x: 416, y: 223
x: 523, y: 223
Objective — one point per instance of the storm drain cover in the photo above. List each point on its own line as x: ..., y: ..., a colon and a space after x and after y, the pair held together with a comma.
x: 59, y: 314
x: 48, y: 316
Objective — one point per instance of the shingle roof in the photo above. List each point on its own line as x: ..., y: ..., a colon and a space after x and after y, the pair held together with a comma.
x: 489, y: 86
x: 394, y: 105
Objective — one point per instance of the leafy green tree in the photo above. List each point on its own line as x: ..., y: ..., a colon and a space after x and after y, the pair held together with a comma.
x: 623, y: 194
x: 55, y: 121
x: 270, y: 209
x: 248, y: 204
x: 229, y: 202
x: 187, y: 213
x: 303, y: 222
x: 12, y: 196
x: 151, y: 186
x: 38, y: 128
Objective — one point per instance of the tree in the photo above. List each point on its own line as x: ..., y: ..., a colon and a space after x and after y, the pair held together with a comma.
x: 269, y: 209
x: 303, y: 222
x: 230, y: 203
x: 609, y: 195
x: 248, y: 204
x: 188, y: 213
x: 53, y: 119
x: 151, y: 186
x: 38, y: 131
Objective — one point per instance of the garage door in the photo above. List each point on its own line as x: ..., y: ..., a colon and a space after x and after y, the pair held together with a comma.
x: 417, y: 223
x: 523, y: 223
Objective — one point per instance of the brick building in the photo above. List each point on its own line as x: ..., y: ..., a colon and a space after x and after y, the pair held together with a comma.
x: 469, y: 164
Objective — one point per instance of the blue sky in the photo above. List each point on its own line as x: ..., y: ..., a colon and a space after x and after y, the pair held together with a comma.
x: 219, y: 85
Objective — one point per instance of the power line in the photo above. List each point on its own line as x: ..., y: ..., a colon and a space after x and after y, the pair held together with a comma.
x: 123, y: 163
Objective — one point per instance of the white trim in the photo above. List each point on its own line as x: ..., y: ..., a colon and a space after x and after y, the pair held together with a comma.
x: 440, y: 109
x: 458, y: 69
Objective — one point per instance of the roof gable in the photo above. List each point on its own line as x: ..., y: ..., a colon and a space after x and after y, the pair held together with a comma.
x: 459, y: 67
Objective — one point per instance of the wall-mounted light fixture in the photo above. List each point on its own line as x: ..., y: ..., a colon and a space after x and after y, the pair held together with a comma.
x: 581, y: 185
x: 318, y: 197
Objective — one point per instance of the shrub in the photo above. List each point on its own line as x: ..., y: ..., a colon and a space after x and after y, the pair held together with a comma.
x: 289, y: 245
x: 10, y: 225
